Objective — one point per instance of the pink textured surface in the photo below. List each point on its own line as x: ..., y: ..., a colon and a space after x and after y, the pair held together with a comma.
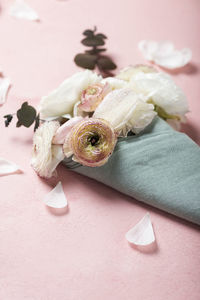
x: 82, y: 254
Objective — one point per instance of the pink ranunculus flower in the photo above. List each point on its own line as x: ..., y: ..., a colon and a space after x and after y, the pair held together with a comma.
x: 93, y: 95
x: 91, y: 142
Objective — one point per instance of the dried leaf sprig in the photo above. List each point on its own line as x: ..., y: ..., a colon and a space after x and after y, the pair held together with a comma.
x: 26, y: 116
x: 93, y: 58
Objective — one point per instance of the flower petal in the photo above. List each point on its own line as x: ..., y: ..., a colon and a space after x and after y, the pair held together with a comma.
x: 56, y: 198
x: 8, y: 167
x: 21, y: 10
x: 61, y: 101
x: 4, y: 86
x: 64, y: 130
x: 126, y: 111
x: 142, y: 233
x: 46, y: 156
x: 161, y: 90
x: 164, y: 54
x: 115, y: 83
x: 127, y: 73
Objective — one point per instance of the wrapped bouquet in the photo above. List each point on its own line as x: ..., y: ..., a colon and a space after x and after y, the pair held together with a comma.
x: 117, y: 130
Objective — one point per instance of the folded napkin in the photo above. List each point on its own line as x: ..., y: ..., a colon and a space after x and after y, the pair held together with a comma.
x: 160, y: 167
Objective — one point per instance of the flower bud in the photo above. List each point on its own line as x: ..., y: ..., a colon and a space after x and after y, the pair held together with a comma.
x: 92, y: 96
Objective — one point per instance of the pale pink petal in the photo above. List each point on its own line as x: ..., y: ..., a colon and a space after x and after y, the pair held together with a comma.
x: 64, y: 130
x: 21, y: 10
x: 142, y: 233
x: 56, y: 197
x: 8, y: 167
x: 164, y: 54
x: 4, y: 87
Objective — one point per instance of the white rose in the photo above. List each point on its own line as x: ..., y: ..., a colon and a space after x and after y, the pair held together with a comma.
x: 46, y: 156
x: 61, y: 101
x: 126, y: 111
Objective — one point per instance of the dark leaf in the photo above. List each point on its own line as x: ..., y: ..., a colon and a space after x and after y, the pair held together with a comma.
x: 95, y: 51
x: 105, y: 63
x: 88, y: 32
x: 101, y: 35
x: 8, y: 119
x: 93, y: 41
x: 37, y: 122
x: 26, y: 115
x: 18, y: 124
x: 86, y: 61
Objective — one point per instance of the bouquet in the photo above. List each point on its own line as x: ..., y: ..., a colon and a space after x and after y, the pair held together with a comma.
x: 122, y: 130
x: 117, y: 130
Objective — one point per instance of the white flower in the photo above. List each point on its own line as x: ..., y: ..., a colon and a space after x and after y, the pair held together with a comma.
x: 61, y: 101
x: 160, y: 89
x: 46, y: 156
x: 126, y: 111
x: 128, y: 72
x: 164, y: 54
x: 115, y: 83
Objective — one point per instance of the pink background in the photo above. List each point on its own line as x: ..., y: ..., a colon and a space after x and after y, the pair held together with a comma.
x: 81, y: 253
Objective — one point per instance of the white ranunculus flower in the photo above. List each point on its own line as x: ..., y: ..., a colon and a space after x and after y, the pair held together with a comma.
x: 125, y: 110
x: 161, y: 90
x: 61, y: 101
x: 128, y: 72
x: 46, y: 156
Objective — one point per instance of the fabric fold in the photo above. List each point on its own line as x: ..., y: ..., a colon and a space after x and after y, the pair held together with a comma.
x: 160, y: 167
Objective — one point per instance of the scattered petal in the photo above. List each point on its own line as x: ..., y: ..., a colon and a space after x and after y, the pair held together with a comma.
x: 142, y: 233
x: 56, y: 198
x: 164, y: 54
x: 4, y: 86
x: 21, y: 10
x: 8, y: 167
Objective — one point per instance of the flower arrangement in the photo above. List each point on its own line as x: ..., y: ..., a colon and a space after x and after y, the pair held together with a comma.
x: 86, y: 115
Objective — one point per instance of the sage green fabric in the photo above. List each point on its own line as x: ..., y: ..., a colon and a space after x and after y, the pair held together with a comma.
x: 160, y: 167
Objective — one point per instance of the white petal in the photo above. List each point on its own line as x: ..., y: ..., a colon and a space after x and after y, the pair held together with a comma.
x: 160, y: 88
x: 61, y: 101
x: 142, y: 233
x: 176, y: 59
x: 115, y: 83
x: 4, y: 86
x: 20, y: 9
x: 164, y: 54
x: 125, y: 111
x: 127, y: 73
x: 7, y: 167
x: 46, y: 156
x: 148, y: 48
x: 64, y: 130
x: 56, y: 198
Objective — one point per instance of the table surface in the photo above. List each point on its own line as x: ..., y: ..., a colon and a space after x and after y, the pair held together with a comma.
x: 82, y: 254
